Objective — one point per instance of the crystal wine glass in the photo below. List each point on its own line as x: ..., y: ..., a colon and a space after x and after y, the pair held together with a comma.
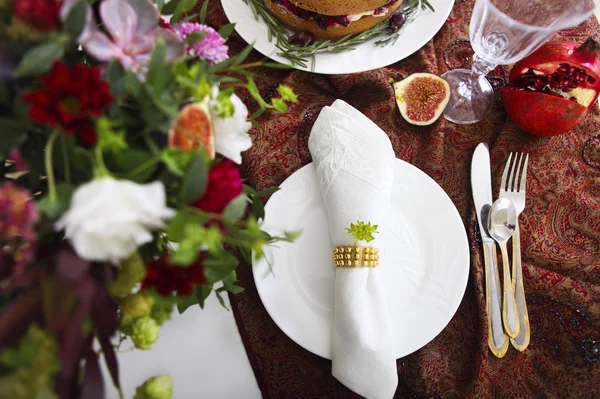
x: 503, y: 32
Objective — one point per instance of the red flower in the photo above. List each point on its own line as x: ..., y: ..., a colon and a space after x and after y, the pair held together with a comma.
x: 224, y: 184
x: 166, y: 277
x: 69, y: 98
x: 164, y: 24
x: 41, y: 14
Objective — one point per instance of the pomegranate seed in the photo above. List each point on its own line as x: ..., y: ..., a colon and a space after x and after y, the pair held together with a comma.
x: 302, y: 39
x: 567, y: 89
x: 590, y: 79
x: 397, y: 21
x: 539, y: 84
x: 573, y: 99
x: 572, y: 70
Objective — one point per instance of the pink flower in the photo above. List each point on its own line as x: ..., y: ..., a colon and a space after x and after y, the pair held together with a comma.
x: 212, y: 47
x: 133, y: 29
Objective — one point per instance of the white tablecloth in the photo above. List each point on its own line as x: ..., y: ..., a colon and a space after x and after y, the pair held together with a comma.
x: 203, y: 352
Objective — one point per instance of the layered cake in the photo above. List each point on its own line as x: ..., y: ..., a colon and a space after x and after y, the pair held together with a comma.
x: 332, y: 19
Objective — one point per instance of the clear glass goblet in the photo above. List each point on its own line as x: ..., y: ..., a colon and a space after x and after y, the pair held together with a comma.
x: 503, y: 32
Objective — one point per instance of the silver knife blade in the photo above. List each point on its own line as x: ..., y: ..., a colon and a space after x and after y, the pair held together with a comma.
x: 481, y: 185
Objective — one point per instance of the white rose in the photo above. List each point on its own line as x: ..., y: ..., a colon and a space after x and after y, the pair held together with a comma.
x: 109, y: 219
x: 231, y: 133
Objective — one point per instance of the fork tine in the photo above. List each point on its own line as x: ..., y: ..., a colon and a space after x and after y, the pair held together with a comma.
x: 505, y: 173
x: 523, y: 185
x: 516, y: 173
x: 512, y: 178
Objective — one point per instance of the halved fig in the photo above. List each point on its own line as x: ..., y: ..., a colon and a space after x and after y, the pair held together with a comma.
x: 193, y: 128
x: 422, y: 97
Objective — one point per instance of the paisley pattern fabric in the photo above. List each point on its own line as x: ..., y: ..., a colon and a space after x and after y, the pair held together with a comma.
x: 560, y: 234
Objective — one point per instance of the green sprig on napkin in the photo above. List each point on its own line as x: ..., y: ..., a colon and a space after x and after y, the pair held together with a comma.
x: 362, y: 231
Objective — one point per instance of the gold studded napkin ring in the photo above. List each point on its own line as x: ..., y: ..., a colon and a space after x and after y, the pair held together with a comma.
x: 355, y: 256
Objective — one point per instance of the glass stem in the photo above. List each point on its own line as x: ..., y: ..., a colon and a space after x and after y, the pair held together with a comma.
x: 479, y: 69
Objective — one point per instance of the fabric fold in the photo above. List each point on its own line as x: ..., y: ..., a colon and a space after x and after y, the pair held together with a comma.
x: 354, y: 160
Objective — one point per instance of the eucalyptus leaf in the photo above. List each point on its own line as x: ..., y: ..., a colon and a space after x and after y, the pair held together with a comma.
x: 157, y: 72
x: 182, y: 7
x: 221, y: 300
x: 258, y: 208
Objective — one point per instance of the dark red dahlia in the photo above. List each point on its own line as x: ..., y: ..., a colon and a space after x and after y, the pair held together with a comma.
x: 167, y: 278
x: 69, y: 98
x: 164, y: 24
x: 224, y: 184
x: 41, y: 14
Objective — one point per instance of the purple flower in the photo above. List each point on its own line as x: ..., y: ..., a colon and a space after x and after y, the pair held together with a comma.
x: 133, y: 29
x: 212, y: 47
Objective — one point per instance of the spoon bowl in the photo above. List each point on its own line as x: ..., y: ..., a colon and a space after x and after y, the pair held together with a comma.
x: 501, y: 224
x: 502, y: 220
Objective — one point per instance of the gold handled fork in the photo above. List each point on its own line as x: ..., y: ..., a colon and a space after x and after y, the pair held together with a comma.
x: 514, y: 188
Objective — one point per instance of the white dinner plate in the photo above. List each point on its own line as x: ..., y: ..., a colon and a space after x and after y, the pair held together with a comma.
x: 424, y: 274
x: 365, y: 57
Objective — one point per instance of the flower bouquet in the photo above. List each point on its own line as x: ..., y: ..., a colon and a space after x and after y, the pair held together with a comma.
x: 120, y: 194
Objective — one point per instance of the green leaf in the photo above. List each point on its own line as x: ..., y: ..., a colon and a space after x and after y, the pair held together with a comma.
x: 258, y: 208
x: 53, y: 209
x: 12, y: 134
x: 226, y: 30
x: 176, y: 231
x: 195, y: 180
x: 292, y: 235
x: 235, y: 289
x: 218, y: 268
x: 221, y: 300
x: 195, y: 37
x: 253, y: 89
x: 182, y: 7
x: 160, y: 4
x: 169, y: 8
x: 38, y: 60
x: 202, y: 292
x: 202, y: 17
x: 287, y: 94
x: 76, y: 19
x: 133, y: 85
x: 249, y: 190
x: 268, y: 191
x: 184, y: 302
x: 110, y: 139
x: 115, y: 76
x: 236, y: 208
x: 158, y: 74
x: 243, y: 55
x: 277, y: 65
x: 279, y: 104
x: 176, y: 160
x: 136, y: 165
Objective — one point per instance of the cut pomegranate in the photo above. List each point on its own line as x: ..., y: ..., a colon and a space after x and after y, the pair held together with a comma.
x: 551, y: 90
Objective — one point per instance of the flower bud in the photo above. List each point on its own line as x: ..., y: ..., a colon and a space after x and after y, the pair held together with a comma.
x: 144, y: 332
x: 158, y: 387
x: 137, y: 305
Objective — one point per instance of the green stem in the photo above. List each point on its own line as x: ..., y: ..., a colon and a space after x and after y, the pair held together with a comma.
x: 48, y: 164
x: 144, y: 166
x: 101, y: 169
x: 65, y: 154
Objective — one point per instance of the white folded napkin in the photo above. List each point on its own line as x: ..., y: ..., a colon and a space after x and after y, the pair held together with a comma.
x: 355, y: 164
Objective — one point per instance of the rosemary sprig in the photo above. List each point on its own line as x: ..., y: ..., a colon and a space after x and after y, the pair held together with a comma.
x: 300, y: 55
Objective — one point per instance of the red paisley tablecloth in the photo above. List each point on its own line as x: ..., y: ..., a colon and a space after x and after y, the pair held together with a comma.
x: 560, y: 233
